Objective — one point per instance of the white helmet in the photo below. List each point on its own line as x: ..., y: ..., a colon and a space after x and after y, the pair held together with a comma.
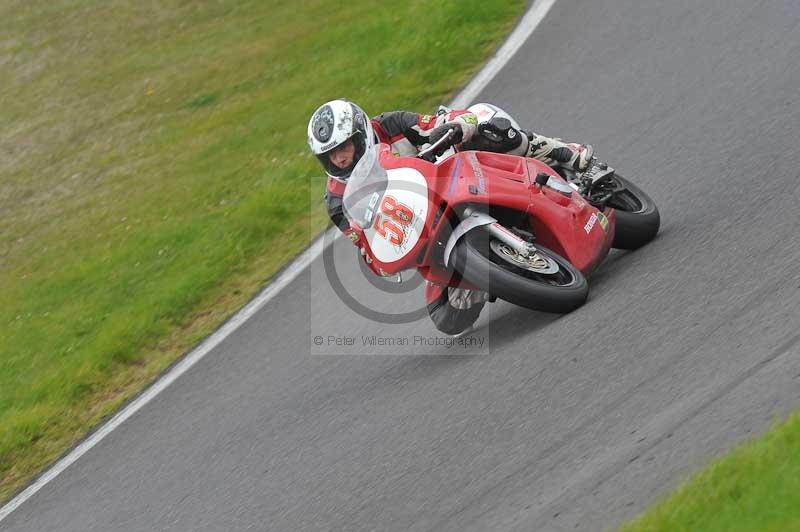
x: 331, y: 125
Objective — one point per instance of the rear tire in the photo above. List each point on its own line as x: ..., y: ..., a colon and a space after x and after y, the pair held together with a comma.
x: 638, y: 219
x: 480, y: 263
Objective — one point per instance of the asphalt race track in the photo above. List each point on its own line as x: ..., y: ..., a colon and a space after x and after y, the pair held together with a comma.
x: 567, y: 422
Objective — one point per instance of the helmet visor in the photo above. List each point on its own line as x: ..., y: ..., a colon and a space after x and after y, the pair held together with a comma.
x: 331, y: 159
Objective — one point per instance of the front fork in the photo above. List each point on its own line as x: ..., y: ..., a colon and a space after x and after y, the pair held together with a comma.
x: 476, y: 219
x: 511, y: 239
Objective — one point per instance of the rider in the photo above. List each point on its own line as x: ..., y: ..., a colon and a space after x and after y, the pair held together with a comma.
x: 337, y: 131
x: 340, y: 133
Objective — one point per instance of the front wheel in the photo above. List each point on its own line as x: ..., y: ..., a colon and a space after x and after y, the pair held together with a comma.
x: 545, y: 281
x: 638, y: 219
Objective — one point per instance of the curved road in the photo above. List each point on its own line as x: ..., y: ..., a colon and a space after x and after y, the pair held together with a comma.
x: 575, y: 422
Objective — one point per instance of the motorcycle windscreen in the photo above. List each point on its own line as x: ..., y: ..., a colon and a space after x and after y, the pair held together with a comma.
x: 391, y: 207
x: 364, y: 188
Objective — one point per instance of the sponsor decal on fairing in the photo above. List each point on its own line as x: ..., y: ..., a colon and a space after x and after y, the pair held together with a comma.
x: 590, y: 223
x: 594, y: 218
x: 397, y: 221
x: 603, y: 221
x: 476, y: 168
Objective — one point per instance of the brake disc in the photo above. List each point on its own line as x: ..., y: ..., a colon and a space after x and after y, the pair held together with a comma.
x: 535, y: 262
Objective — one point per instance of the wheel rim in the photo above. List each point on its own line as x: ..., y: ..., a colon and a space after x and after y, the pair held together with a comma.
x: 536, y: 271
x: 536, y: 262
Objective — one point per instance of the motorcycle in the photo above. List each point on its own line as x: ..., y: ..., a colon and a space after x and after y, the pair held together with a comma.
x: 479, y: 226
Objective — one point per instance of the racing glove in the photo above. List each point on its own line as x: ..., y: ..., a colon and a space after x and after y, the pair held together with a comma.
x: 441, y: 131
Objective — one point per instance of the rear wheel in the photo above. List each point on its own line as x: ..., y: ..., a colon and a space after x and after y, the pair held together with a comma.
x: 638, y: 219
x: 544, y: 281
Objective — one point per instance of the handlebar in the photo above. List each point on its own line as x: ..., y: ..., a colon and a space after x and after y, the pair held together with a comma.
x: 433, y: 147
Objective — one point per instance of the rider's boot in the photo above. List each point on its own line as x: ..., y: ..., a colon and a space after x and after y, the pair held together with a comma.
x: 555, y: 152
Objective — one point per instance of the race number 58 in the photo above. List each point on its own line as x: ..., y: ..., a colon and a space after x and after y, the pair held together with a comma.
x: 392, y: 218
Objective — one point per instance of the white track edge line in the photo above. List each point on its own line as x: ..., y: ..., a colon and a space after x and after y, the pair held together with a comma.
x: 523, y: 30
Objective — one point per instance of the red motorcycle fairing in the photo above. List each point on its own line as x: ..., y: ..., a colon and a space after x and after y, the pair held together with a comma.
x: 394, y: 220
x: 560, y: 220
x: 569, y: 225
x: 563, y: 222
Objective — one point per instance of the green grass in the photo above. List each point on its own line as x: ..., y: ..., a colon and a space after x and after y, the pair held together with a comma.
x: 154, y: 175
x: 754, y: 487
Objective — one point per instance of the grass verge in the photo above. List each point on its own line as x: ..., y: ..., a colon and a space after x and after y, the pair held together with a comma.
x: 155, y: 175
x: 754, y: 487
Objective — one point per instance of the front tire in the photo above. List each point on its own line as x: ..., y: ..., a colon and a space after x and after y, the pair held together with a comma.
x: 638, y: 219
x: 547, y: 282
